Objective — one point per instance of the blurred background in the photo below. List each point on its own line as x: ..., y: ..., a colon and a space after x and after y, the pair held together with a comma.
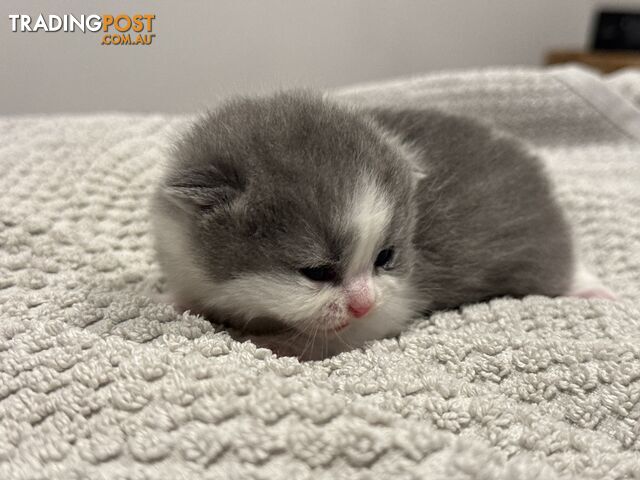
x: 205, y: 50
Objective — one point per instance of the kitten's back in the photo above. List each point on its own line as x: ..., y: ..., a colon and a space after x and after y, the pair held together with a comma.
x: 488, y: 224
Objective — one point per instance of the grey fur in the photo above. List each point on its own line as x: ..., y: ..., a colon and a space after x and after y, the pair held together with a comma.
x: 260, y: 185
x: 488, y: 224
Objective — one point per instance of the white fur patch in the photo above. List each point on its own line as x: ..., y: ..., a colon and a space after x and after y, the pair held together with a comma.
x: 368, y: 219
x: 289, y: 298
x: 185, y: 279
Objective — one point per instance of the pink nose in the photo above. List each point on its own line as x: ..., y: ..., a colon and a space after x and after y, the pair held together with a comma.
x: 360, y: 296
x: 360, y: 309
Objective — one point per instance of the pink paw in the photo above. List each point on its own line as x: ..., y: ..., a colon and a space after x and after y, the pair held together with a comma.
x: 595, y: 293
x: 587, y: 285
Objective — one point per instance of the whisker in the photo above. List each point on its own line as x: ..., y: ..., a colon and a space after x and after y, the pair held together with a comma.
x: 309, y: 342
x: 324, y: 343
x: 303, y: 331
x: 344, y: 342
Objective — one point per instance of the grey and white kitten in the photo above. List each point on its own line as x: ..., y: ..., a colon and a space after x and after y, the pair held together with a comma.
x: 333, y: 225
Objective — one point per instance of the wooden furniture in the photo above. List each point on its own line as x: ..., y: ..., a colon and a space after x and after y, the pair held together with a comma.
x: 602, y: 60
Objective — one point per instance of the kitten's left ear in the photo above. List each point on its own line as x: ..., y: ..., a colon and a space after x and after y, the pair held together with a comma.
x: 411, y: 155
x: 417, y: 173
x: 209, y: 187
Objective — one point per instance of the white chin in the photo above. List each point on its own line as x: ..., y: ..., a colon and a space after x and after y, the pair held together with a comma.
x: 362, y: 331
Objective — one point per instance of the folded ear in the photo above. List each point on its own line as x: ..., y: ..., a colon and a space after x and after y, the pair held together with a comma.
x: 208, y: 187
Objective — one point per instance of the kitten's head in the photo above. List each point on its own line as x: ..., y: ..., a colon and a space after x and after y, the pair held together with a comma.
x: 294, y: 209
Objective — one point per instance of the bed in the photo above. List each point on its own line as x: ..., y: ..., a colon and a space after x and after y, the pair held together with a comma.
x: 100, y: 380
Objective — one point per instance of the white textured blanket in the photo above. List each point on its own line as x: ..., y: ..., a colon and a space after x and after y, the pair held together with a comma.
x: 99, y: 381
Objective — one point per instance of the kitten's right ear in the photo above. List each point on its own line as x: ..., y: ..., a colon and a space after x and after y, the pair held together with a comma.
x: 210, y: 187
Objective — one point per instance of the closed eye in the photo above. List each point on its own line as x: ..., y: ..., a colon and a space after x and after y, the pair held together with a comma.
x: 322, y: 273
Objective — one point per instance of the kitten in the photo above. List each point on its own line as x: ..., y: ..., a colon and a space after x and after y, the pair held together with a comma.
x: 327, y: 225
